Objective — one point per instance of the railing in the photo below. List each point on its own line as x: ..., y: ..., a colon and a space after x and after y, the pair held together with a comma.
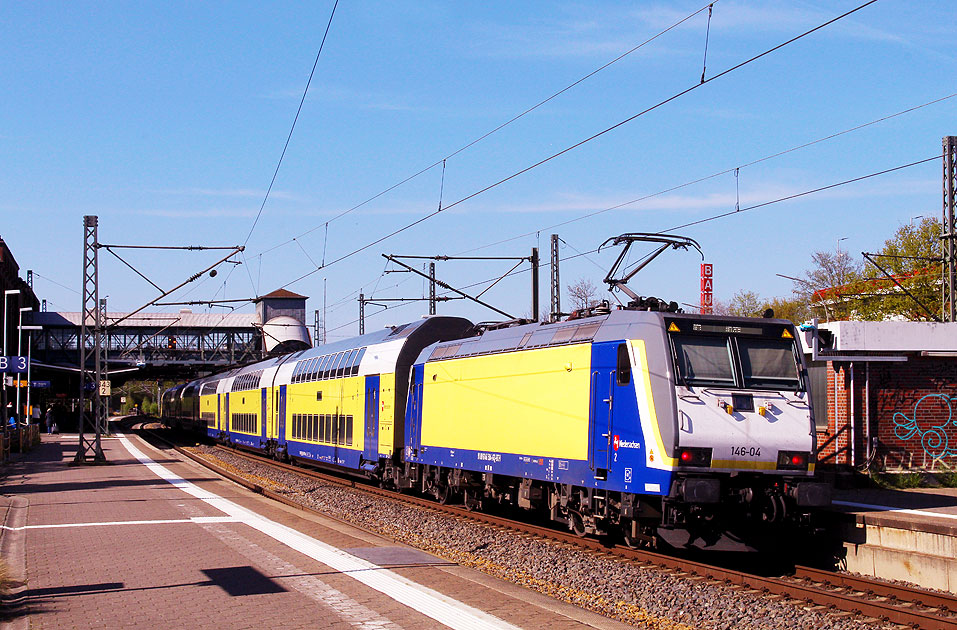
x: 18, y: 440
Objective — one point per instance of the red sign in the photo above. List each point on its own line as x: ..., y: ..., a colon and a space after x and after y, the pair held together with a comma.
x: 707, y: 287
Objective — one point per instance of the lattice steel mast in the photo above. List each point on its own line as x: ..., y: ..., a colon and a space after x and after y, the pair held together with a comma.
x: 91, y: 341
x: 948, y: 250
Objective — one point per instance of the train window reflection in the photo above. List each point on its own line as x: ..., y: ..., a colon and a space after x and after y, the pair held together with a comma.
x: 340, y: 363
x: 703, y: 360
x: 768, y: 363
x: 324, y: 367
x: 355, y: 365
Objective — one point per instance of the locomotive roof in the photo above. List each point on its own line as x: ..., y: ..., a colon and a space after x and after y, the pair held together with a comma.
x: 621, y: 324
x: 526, y: 336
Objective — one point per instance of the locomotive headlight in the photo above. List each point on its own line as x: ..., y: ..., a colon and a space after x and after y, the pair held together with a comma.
x: 700, y: 457
x: 793, y: 460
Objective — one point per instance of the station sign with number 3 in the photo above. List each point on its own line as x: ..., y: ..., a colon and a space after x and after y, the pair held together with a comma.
x: 13, y: 365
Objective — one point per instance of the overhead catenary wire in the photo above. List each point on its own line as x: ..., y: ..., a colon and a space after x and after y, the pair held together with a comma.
x: 802, y: 194
x: 713, y: 175
x: 583, y: 142
x: 294, y: 121
x: 739, y: 211
x: 707, y: 219
x: 503, y: 125
x: 717, y: 174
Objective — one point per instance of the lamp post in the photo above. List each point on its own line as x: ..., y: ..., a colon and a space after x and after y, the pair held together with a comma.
x: 20, y: 354
x: 3, y: 389
x: 29, y: 330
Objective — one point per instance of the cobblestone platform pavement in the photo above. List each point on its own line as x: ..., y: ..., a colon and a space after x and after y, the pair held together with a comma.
x: 152, y: 541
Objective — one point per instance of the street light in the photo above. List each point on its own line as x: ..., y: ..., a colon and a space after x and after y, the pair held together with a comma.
x: 29, y: 330
x: 6, y: 293
x: 20, y: 354
x: 843, y: 238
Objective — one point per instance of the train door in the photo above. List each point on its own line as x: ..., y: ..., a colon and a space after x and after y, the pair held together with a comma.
x: 219, y: 412
x: 226, y: 423
x: 263, y: 408
x: 612, y: 391
x: 370, y: 444
x: 414, y: 436
x: 281, y: 419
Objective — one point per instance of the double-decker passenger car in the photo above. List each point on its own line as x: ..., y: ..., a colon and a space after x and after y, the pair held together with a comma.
x: 337, y: 404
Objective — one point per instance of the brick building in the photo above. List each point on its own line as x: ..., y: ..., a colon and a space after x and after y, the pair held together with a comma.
x: 10, y: 280
x: 885, y: 394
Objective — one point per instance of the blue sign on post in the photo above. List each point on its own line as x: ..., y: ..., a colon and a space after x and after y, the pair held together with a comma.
x: 13, y: 365
x: 40, y: 384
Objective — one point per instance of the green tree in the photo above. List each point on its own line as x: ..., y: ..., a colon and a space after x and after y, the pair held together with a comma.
x: 912, y: 256
x: 750, y: 304
x: 793, y: 309
x: 743, y: 304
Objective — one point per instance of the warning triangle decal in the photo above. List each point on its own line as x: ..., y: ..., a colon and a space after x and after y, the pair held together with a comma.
x: 673, y: 328
x: 787, y: 334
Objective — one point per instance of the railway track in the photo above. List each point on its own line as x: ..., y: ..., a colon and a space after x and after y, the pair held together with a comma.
x: 838, y: 593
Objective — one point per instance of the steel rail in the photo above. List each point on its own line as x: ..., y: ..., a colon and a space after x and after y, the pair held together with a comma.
x: 849, y: 593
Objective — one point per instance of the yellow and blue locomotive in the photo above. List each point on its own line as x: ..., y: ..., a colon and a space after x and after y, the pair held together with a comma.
x: 694, y: 428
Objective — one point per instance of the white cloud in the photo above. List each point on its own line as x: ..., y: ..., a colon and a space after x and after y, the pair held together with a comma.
x: 195, y: 213
x: 243, y: 193
x: 755, y: 194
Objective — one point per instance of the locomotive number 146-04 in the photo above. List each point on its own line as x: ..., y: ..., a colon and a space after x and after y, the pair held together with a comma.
x: 746, y: 451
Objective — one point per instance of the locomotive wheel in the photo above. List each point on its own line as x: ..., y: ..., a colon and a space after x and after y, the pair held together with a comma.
x: 576, y: 523
x: 472, y: 499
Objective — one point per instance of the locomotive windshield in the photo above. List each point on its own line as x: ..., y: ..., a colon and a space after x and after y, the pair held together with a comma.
x: 704, y: 360
x: 768, y: 363
x: 735, y: 361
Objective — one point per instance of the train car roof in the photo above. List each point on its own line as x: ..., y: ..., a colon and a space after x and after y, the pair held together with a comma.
x: 389, y: 334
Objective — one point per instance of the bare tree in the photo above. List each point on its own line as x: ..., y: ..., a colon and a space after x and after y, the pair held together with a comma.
x: 745, y: 304
x: 832, y: 276
x: 583, y: 293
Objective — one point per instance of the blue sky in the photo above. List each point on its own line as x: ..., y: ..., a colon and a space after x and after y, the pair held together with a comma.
x: 167, y: 121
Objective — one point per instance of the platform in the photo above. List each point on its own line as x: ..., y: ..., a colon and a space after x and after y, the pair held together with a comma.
x: 908, y: 535
x: 151, y: 541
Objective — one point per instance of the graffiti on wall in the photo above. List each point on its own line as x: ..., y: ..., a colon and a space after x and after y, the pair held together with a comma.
x: 932, y: 421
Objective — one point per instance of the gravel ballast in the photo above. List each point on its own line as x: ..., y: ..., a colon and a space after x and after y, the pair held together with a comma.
x: 647, y: 597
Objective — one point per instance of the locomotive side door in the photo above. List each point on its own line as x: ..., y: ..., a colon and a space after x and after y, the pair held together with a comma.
x: 370, y: 444
x: 610, y: 382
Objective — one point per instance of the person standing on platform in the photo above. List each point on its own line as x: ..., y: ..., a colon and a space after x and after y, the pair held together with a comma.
x: 49, y: 419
